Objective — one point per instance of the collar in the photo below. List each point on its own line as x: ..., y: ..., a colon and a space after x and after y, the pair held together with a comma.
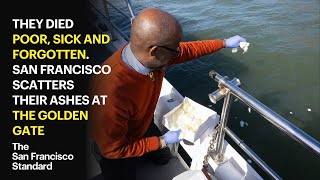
x: 129, y: 59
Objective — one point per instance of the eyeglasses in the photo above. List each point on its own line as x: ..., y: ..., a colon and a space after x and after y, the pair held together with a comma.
x: 177, y: 52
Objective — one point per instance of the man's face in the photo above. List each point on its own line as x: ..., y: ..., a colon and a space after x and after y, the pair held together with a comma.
x: 167, y: 51
x: 165, y: 54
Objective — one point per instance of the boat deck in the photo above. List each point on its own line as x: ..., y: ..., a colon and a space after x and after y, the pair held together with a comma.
x: 146, y: 170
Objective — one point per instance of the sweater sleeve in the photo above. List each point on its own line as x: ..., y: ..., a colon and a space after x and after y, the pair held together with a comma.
x: 195, y: 49
x: 110, y: 129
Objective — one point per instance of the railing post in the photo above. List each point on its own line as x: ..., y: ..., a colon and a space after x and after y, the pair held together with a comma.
x: 218, y: 156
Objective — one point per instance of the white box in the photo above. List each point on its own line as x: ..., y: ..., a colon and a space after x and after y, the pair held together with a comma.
x: 192, y: 118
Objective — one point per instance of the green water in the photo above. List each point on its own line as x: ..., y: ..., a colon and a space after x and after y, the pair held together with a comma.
x: 280, y: 69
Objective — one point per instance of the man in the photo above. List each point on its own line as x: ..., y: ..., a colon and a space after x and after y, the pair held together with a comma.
x: 123, y: 128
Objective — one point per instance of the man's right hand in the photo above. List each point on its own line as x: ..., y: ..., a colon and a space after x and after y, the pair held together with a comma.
x: 172, y: 137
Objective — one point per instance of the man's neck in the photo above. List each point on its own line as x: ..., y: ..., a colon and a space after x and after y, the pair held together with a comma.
x: 129, y: 58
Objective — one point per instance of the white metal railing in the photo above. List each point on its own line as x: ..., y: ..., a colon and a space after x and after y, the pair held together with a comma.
x: 227, y: 89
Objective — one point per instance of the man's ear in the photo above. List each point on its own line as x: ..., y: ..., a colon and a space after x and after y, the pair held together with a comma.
x: 153, y: 51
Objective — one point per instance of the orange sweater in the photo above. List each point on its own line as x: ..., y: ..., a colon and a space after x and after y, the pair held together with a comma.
x: 119, y: 125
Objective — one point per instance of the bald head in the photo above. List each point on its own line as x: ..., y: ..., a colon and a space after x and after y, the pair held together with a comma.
x: 151, y: 31
x: 153, y: 26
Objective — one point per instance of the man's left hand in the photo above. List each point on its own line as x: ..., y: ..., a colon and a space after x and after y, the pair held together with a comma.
x: 234, y: 42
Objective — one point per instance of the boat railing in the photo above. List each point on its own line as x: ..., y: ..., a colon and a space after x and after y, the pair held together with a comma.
x: 110, y: 24
x: 121, y: 12
x: 228, y: 89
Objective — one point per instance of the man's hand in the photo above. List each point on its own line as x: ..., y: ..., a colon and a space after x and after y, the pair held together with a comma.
x: 172, y: 137
x: 234, y: 41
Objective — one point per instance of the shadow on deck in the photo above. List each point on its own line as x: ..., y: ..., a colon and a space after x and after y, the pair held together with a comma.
x: 147, y: 170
